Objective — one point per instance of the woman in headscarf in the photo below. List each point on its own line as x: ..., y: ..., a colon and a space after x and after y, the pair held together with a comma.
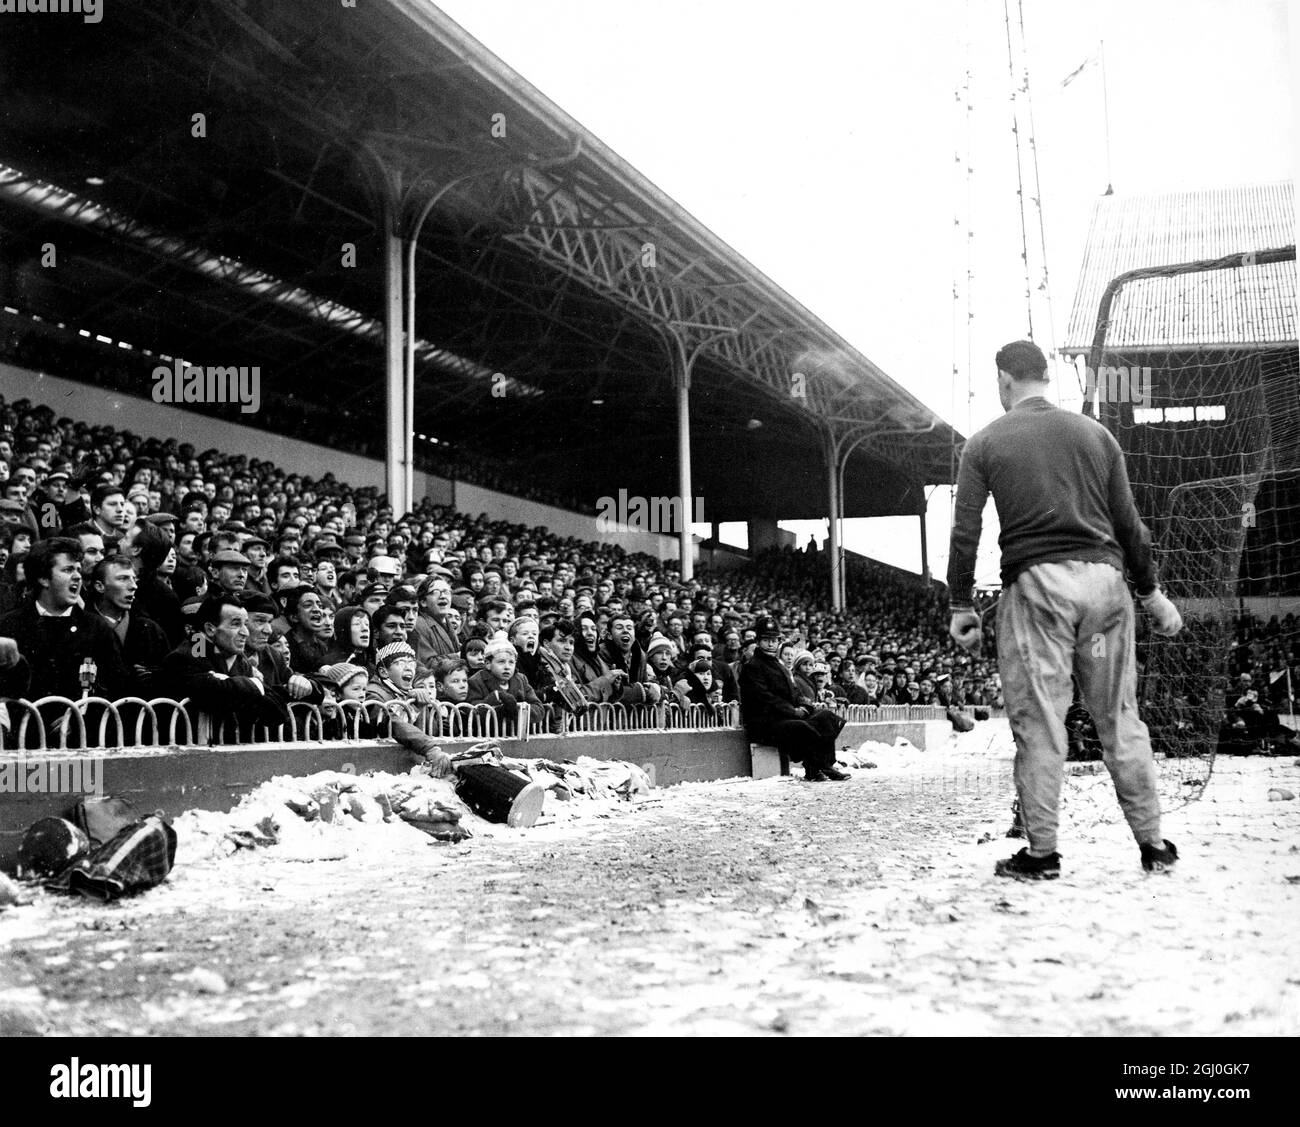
x: 897, y: 691
x: 802, y: 673
x: 154, y: 597
x: 351, y: 643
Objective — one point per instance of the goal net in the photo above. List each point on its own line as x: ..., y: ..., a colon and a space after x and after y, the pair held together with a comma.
x: 1189, y: 371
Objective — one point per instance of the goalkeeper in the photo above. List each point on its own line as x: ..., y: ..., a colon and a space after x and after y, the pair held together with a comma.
x: 1069, y: 532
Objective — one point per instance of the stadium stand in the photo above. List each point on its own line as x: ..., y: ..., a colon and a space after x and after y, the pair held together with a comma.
x: 154, y: 535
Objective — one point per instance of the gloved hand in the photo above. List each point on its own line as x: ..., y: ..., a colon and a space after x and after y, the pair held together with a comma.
x: 1166, y: 621
x: 966, y: 630
x: 439, y: 763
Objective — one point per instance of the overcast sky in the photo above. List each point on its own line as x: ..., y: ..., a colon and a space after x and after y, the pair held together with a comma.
x: 819, y: 139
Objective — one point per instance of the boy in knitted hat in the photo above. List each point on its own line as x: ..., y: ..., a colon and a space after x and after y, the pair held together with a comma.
x: 347, y: 681
x: 394, y: 677
x: 660, y: 653
x: 498, y: 683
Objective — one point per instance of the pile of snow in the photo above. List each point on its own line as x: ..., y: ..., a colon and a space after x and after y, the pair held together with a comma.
x: 988, y: 740
x: 333, y: 814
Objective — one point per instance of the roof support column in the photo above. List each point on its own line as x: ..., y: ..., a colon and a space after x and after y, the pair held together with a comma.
x: 684, y: 354
x: 685, y: 509
x: 925, y: 552
x: 397, y: 452
x: 834, y: 508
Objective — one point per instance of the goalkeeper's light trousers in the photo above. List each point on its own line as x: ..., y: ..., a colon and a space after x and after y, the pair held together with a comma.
x: 1055, y: 620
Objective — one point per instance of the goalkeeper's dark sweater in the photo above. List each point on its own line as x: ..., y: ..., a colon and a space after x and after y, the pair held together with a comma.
x: 1062, y: 493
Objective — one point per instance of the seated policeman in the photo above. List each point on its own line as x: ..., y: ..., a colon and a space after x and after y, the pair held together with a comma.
x: 772, y: 712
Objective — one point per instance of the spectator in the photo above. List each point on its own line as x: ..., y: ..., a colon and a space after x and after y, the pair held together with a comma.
x: 283, y: 574
x: 67, y: 649
x: 724, y: 680
x: 659, y: 657
x: 143, y: 644
x: 228, y: 572
x: 452, y: 676
x: 474, y: 654
x: 351, y: 643
x: 214, y: 672
x: 621, y: 651
x: 255, y: 549
x: 306, y: 615
x: 92, y: 546
x: 524, y: 634
x: 326, y: 580
x: 871, y: 689
x: 773, y: 713
x: 387, y: 625
x: 109, y: 514
x: 278, y: 678
x: 848, y: 688
x: 394, y: 678
x: 696, y: 684
x: 556, y: 682
x: 499, y: 684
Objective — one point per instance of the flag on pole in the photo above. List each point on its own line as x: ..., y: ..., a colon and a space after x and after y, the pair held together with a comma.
x: 1089, y: 61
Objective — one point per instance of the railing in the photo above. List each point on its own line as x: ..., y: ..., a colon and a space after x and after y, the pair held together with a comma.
x: 62, y: 724
x: 651, y: 717
x: 901, y: 713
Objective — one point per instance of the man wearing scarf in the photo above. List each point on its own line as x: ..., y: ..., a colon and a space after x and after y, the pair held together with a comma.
x: 432, y: 635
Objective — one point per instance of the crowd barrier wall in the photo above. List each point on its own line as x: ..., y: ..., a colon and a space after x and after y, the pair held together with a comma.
x: 202, y: 771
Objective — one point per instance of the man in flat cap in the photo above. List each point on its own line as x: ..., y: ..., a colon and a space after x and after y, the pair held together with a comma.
x: 228, y: 572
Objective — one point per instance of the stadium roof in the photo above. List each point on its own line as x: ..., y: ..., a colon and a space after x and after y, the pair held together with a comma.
x: 1252, y: 305
x: 228, y: 248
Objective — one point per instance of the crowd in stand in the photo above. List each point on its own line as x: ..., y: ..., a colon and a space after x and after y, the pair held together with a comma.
x: 284, y: 413
x: 140, y: 567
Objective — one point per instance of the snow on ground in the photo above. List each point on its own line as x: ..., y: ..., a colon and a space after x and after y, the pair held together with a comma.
x: 737, y: 907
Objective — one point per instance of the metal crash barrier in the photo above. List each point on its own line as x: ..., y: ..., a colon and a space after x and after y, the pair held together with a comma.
x: 62, y: 724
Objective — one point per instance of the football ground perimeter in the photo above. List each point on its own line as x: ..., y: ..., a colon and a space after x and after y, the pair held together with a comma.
x: 744, y: 907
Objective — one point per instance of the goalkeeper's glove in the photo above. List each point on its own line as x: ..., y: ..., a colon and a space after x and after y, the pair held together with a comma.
x: 1166, y: 620
x: 965, y: 628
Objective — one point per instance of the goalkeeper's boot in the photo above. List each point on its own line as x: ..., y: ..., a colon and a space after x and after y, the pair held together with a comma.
x: 1158, y: 860
x: 1024, y: 867
x: 835, y: 774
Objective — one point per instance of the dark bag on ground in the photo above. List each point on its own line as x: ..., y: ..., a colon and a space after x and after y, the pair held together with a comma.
x: 49, y: 846
x: 104, y: 817
x: 139, y: 856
